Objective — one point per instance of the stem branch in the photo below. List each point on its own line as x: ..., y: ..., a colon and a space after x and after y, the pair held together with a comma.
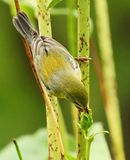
x: 83, y: 51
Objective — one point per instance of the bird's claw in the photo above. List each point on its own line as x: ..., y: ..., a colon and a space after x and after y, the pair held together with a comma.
x: 83, y: 59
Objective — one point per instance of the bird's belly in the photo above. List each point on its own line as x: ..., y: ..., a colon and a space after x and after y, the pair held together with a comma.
x: 56, y: 72
x: 58, y: 82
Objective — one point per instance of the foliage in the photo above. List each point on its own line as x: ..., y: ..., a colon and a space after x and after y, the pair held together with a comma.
x: 34, y: 147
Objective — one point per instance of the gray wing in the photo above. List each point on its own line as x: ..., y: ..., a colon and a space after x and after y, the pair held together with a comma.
x: 52, y: 44
x: 44, y: 45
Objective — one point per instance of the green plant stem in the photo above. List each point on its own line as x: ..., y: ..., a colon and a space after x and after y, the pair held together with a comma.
x: 71, y: 22
x: 109, y: 75
x: 88, y: 144
x: 88, y: 147
x: 18, y: 150
x: 55, y: 144
x: 83, y: 50
x: 43, y: 17
x: 71, y: 27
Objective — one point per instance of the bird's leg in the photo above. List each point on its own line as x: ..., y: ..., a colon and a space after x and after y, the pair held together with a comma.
x: 83, y: 59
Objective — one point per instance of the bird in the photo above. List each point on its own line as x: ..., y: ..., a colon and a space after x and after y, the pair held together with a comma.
x: 57, y: 69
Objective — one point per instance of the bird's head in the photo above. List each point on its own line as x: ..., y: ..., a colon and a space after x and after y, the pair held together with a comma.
x: 76, y: 92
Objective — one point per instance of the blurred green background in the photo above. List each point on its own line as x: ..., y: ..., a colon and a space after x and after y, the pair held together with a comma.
x: 22, y: 108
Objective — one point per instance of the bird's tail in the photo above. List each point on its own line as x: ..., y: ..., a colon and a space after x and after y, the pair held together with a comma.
x: 23, y: 26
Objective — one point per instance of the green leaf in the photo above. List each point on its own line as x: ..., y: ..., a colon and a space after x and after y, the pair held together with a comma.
x: 86, y: 122
x: 53, y: 3
x: 34, y: 147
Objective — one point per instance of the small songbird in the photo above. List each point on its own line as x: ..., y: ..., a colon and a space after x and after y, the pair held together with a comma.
x: 57, y: 69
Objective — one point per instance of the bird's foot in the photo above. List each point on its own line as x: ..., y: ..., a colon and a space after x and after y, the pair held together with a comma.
x: 83, y: 59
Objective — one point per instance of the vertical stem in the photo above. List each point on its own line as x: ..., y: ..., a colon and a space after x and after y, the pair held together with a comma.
x: 83, y: 27
x: 88, y: 147
x: 83, y: 50
x: 43, y: 17
x: 71, y: 27
x: 109, y: 75
x: 55, y: 144
x: 83, y: 38
x: 71, y: 21
x: 88, y: 150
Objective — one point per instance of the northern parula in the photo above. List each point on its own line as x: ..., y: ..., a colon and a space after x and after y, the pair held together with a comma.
x: 57, y: 69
